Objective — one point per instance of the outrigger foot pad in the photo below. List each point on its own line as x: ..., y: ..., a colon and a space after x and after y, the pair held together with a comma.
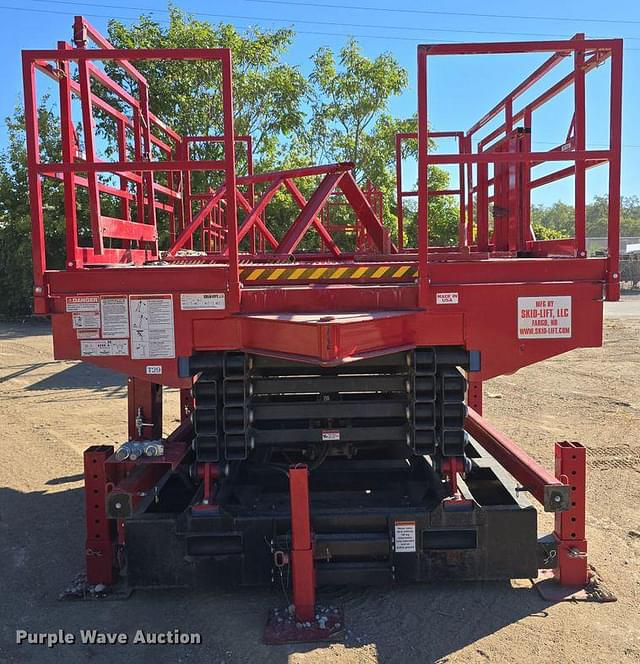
x: 283, y: 626
x: 79, y: 589
x: 594, y: 591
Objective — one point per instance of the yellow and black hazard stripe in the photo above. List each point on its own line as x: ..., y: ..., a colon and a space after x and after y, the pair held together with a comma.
x: 393, y: 272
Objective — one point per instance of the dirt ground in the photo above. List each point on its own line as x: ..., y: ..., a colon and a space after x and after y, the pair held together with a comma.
x: 50, y: 411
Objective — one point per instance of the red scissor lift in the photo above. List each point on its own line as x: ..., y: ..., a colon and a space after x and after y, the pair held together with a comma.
x: 331, y: 425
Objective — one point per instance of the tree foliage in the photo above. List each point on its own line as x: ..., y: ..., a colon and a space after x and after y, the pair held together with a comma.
x: 559, y: 217
x: 186, y: 94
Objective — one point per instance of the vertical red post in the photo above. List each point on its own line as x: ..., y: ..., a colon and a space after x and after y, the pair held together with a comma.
x: 137, y: 152
x: 122, y: 156
x: 474, y: 393
x: 399, y: 206
x: 68, y: 157
x: 462, y: 229
x: 100, y: 551
x: 90, y: 155
x: 304, y: 583
x: 467, y: 150
x: 423, y: 186
x: 186, y: 403
x: 178, y: 184
x: 572, y: 568
x: 186, y: 192
x: 579, y: 127
x: 147, y: 177
x: 615, y: 147
x: 482, y: 206
x: 525, y: 199
x: 230, y: 182
x: 35, y: 186
x: 145, y: 409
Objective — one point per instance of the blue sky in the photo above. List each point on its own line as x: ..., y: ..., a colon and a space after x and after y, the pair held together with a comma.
x: 461, y: 89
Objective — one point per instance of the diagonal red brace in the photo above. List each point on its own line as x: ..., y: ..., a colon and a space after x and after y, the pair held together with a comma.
x: 304, y: 582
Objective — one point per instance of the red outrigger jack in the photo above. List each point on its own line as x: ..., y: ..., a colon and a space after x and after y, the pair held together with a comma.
x: 330, y: 379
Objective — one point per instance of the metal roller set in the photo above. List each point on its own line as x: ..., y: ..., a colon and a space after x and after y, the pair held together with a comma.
x: 330, y: 377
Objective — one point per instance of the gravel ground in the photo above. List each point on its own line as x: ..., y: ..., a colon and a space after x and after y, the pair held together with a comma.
x: 52, y: 410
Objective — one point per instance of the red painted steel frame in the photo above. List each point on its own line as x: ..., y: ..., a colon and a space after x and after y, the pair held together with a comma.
x: 401, y: 194
x: 142, y: 164
x: 507, y: 453
x: 303, y: 582
x: 571, y: 568
x: 100, y: 552
x: 325, y: 307
x: 320, y: 307
x: 587, y: 55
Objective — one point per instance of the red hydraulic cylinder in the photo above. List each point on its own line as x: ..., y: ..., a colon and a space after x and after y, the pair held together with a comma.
x: 304, y: 582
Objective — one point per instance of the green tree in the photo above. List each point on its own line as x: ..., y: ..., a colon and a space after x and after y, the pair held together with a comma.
x: 186, y: 94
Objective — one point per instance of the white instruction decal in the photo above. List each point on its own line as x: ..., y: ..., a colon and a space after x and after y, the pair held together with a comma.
x: 544, y: 317
x: 330, y: 434
x: 83, y: 303
x: 189, y: 301
x: 88, y: 334
x: 446, y: 298
x: 85, y: 319
x: 152, y: 331
x: 104, y: 348
x: 115, y: 317
x: 405, y: 536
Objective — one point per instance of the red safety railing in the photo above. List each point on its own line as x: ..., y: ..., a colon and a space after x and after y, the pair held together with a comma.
x: 154, y: 173
x: 401, y: 194
x: 81, y: 170
x: 154, y: 176
x: 508, y: 148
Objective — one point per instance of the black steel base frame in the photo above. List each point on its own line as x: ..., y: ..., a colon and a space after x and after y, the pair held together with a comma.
x: 356, y: 507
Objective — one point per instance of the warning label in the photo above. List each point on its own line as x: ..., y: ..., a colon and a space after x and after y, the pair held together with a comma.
x: 88, y: 334
x: 405, y: 536
x: 85, y: 319
x: 91, y: 303
x: 189, y: 301
x: 151, y: 324
x: 115, y: 317
x: 104, y: 348
x: 544, y: 317
x: 330, y: 434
